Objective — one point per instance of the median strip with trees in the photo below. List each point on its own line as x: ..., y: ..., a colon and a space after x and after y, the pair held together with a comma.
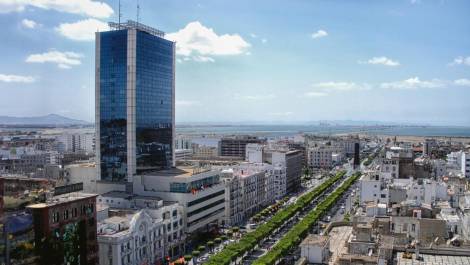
x: 301, y: 229
x: 235, y: 250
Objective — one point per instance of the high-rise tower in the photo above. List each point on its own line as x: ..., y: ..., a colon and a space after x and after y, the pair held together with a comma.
x: 134, y: 101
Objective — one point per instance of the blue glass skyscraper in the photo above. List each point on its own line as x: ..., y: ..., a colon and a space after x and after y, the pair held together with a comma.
x: 135, y: 101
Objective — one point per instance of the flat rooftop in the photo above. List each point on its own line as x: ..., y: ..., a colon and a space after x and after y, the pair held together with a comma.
x: 125, y: 195
x: 315, y: 240
x: 178, y: 172
x: 61, y: 199
x: 130, y: 24
x: 433, y: 259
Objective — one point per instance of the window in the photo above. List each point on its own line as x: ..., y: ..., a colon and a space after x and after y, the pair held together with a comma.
x: 413, y: 227
x: 66, y: 214
x: 55, y: 217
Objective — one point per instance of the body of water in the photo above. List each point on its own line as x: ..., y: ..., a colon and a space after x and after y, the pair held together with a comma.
x: 289, y: 130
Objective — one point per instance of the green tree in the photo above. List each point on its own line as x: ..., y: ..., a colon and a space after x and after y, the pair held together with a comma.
x: 188, y: 258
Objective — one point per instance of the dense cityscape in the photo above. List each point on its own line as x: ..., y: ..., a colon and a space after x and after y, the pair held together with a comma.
x: 136, y: 187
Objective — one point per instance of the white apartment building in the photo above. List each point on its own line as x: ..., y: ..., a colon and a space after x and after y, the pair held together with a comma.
x: 465, y: 164
x: 322, y: 156
x: 169, y: 214
x: 233, y: 199
x: 427, y: 191
x: 182, y: 142
x: 77, y: 142
x: 254, y: 153
x: 249, y: 187
x: 287, y: 166
x: 454, y: 159
x: 372, y: 188
x: 464, y: 214
x: 135, y: 238
x: 183, y: 154
x: 279, y: 176
x: 200, y: 191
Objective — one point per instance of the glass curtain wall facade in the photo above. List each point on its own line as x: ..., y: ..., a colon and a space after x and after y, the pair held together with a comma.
x: 136, y: 103
x: 154, y: 103
x: 113, y: 105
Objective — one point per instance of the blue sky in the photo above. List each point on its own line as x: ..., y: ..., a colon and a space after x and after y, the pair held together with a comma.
x: 247, y: 61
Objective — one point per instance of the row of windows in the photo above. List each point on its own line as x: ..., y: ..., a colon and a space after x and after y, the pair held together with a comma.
x: 72, y: 213
x: 206, y: 207
x: 205, y: 217
x: 210, y: 196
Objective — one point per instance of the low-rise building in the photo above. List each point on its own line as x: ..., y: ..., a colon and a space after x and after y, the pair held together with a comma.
x: 70, y: 221
x: 135, y: 238
x: 199, y: 190
x: 169, y: 215
x: 316, y: 249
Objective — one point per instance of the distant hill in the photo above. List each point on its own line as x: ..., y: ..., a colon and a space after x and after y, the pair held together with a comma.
x: 51, y: 119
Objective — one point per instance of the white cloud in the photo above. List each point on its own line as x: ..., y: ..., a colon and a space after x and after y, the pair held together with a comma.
x: 461, y: 60
x: 196, y: 39
x: 319, y: 34
x: 253, y: 35
x: 316, y: 94
x: 462, y: 82
x: 203, y: 59
x: 381, y: 60
x: 63, y: 60
x: 341, y: 86
x: 30, y: 24
x: 83, y: 30
x: 264, y: 40
x: 186, y: 103
x: 83, y: 7
x: 16, y: 78
x: 413, y: 83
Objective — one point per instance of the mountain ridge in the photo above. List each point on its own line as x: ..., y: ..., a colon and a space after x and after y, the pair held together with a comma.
x: 49, y: 119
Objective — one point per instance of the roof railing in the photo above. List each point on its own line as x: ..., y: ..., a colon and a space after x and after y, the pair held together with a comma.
x: 130, y: 24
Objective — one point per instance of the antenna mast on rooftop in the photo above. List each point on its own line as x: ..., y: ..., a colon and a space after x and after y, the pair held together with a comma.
x: 138, y: 11
x: 119, y: 13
